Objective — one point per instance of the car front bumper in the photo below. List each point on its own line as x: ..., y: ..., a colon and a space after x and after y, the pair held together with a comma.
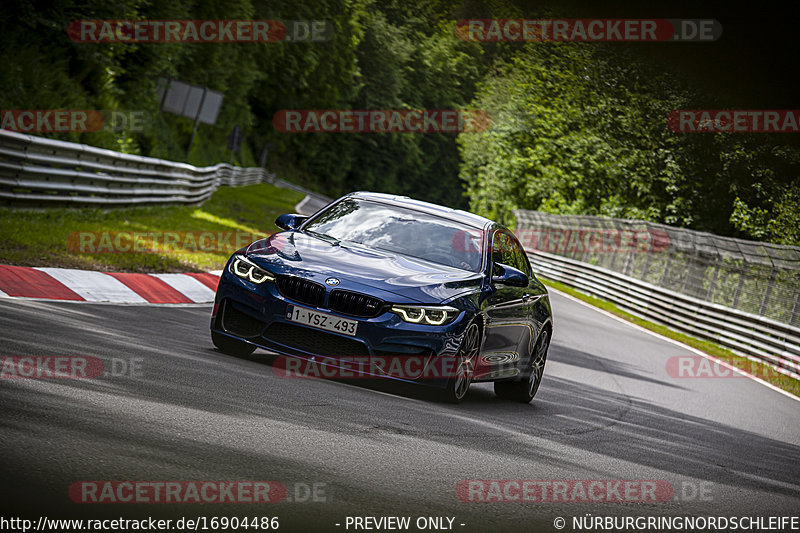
x: 257, y: 314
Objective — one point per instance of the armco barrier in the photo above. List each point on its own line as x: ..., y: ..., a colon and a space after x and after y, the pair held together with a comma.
x: 759, y: 278
x: 36, y: 171
x: 744, y: 333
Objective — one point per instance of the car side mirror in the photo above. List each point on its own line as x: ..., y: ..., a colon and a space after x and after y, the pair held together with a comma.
x: 290, y: 221
x: 508, y: 275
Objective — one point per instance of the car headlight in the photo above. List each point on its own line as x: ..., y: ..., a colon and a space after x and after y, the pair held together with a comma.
x: 248, y: 270
x: 431, y: 316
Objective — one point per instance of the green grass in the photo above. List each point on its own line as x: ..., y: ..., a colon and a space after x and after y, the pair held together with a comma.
x: 761, y: 370
x: 53, y: 237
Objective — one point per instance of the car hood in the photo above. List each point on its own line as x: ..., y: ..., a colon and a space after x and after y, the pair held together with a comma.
x: 416, y: 279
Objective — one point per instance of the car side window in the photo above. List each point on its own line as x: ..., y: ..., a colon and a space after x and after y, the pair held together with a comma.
x: 505, y: 250
x: 521, y: 258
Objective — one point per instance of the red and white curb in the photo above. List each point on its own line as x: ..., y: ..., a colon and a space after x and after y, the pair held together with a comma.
x: 68, y: 284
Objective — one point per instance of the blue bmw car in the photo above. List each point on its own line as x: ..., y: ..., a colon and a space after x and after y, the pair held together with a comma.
x: 383, y: 286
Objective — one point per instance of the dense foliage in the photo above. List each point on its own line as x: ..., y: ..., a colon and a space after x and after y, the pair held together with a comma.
x: 575, y: 128
x: 581, y: 130
x: 381, y: 55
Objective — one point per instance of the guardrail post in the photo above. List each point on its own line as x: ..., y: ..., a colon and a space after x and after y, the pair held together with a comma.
x: 712, y: 286
x: 739, y: 285
x: 666, y: 268
x: 768, y: 292
x: 793, y: 320
x: 647, y: 264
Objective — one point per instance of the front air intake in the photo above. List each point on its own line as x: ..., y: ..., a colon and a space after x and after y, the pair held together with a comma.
x: 301, y: 290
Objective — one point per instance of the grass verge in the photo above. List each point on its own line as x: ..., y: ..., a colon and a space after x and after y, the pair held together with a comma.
x: 760, y: 370
x: 169, y: 238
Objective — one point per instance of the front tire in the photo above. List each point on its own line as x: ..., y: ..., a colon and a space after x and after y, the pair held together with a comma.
x: 459, y: 382
x: 230, y: 346
x: 524, y: 390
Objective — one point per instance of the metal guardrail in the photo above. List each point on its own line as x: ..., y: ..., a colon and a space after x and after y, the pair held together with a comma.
x: 746, y: 334
x: 311, y: 203
x: 36, y: 171
x: 759, y: 278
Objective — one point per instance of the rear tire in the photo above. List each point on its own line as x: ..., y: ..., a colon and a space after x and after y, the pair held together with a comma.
x: 525, y: 389
x: 231, y: 346
x: 464, y: 368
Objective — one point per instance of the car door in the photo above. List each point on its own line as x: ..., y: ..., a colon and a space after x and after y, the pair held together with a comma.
x: 509, y: 332
x: 531, y: 297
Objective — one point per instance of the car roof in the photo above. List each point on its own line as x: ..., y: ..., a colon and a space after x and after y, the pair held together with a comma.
x: 458, y: 215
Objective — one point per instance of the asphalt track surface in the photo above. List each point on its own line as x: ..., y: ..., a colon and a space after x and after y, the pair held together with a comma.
x: 607, y: 409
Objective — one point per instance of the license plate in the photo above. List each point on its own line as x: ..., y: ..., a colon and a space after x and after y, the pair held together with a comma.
x: 321, y: 320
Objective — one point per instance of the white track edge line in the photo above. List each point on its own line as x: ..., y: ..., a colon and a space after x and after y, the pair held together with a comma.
x: 129, y: 304
x: 299, y: 205
x: 679, y: 343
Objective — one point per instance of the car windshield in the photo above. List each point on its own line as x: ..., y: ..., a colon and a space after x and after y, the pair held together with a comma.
x: 400, y: 230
